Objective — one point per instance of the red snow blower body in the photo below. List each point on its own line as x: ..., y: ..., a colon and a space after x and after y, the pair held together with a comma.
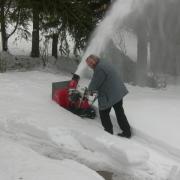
x: 65, y: 93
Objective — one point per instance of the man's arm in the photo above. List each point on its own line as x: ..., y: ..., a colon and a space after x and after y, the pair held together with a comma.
x: 98, y: 79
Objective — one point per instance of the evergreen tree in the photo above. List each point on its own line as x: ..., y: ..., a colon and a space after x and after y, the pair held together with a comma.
x: 76, y: 17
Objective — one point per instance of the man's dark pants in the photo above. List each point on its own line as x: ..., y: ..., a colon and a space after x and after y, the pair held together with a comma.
x: 121, y: 118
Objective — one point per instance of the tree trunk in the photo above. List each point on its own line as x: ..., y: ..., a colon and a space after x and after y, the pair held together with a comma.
x: 3, y: 28
x: 55, y: 45
x: 35, y: 33
x: 155, y: 54
x: 142, y: 52
x: 178, y: 60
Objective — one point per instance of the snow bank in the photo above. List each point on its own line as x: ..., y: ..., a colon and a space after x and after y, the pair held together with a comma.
x: 117, y: 150
x: 19, y: 162
x: 72, y: 142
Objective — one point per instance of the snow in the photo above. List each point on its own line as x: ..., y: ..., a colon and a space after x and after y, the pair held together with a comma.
x: 50, y: 142
x: 19, y: 162
x: 155, y: 115
x: 112, y: 22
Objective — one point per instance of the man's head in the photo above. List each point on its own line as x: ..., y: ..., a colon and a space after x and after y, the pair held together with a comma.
x: 92, y: 61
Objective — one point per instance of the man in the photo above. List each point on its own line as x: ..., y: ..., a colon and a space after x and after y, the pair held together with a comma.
x: 111, y: 91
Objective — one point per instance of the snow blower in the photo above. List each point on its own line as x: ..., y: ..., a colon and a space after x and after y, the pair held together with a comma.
x: 65, y: 93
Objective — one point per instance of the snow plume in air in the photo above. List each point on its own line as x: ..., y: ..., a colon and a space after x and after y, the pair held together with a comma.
x: 104, y: 31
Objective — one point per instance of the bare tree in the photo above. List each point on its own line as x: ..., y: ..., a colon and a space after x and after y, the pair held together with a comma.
x: 9, y: 12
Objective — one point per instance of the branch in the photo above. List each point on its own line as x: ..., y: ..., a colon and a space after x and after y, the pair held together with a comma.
x: 75, y: 16
x: 8, y: 7
x: 17, y: 23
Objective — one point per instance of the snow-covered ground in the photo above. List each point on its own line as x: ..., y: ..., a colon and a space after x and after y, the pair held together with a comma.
x: 155, y: 116
x: 41, y: 140
x: 20, y: 162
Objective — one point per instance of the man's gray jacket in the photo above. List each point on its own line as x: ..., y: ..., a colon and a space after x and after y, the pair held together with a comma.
x: 107, y: 82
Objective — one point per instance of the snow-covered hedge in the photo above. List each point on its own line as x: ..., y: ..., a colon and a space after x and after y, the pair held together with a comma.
x: 11, y: 62
x: 66, y: 64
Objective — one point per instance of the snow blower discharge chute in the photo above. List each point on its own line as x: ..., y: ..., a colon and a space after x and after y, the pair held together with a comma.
x: 65, y: 93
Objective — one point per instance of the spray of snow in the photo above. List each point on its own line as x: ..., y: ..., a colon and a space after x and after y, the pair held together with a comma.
x: 105, y: 30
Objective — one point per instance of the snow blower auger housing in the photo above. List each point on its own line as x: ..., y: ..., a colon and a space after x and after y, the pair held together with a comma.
x: 65, y: 93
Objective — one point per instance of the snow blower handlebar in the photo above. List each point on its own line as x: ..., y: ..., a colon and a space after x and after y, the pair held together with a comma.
x: 91, y: 93
x: 86, y: 92
x: 75, y: 77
